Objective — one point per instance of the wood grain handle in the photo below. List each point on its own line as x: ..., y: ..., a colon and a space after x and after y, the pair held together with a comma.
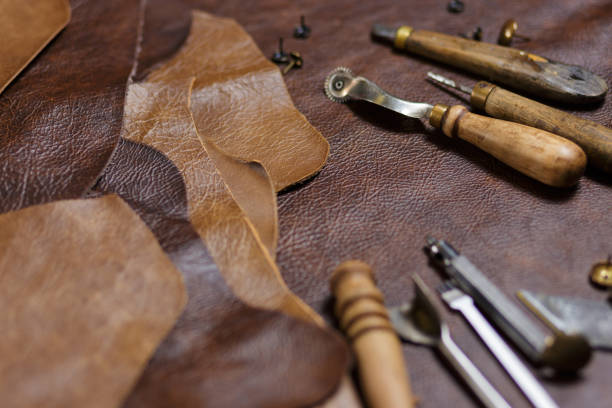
x: 595, y: 139
x: 519, y: 69
x: 365, y: 321
x: 536, y: 153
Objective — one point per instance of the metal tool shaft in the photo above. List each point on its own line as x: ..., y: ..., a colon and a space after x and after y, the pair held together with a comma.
x: 528, y: 384
x: 468, y: 371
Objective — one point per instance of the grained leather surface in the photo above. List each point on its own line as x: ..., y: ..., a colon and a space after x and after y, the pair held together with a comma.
x: 60, y: 119
x: 221, y: 353
x: 25, y: 28
x: 87, y: 295
x: 389, y: 181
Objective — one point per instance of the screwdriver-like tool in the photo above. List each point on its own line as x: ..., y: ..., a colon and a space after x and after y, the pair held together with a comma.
x: 595, y: 139
x: 544, y: 156
x: 519, y: 69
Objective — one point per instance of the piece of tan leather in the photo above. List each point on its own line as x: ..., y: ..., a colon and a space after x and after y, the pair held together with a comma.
x: 239, y: 101
x: 252, y: 189
x: 26, y: 27
x: 221, y: 352
x: 157, y: 114
x: 87, y: 295
x: 60, y: 119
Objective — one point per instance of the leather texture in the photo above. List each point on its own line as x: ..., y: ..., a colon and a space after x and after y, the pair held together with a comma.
x: 221, y: 353
x: 87, y: 295
x: 25, y: 29
x: 388, y: 182
x: 60, y: 120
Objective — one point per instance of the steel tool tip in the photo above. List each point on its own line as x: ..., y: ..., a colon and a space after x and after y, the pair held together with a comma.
x: 383, y: 32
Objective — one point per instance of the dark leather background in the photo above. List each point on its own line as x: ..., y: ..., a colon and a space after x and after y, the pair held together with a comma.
x: 389, y: 181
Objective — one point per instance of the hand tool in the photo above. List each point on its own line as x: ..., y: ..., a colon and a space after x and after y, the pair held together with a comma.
x: 515, y: 68
x: 591, y: 318
x: 595, y: 139
x: 361, y: 312
x: 508, y: 32
x: 420, y: 323
x: 601, y: 273
x: 459, y: 300
x: 544, y: 156
x: 562, y: 352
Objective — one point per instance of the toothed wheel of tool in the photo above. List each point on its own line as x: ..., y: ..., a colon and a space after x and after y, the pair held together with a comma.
x: 336, y: 84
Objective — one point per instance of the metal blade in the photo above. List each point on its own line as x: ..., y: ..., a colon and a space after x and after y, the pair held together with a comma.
x: 591, y: 318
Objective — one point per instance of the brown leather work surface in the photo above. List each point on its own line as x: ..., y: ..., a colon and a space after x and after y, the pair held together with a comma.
x: 388, y: 181
x: 60, y: 118
x: 87, y: 295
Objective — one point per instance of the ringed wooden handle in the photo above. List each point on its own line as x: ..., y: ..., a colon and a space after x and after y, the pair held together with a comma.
x: 365, y: 321
x: 519, y: 69
x: 595, y: 139
x: 536, y: 153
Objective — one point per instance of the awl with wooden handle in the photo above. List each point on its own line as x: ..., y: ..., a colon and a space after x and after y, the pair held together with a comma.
x: 595, y: 139
x: 364, y: 318
x: 541, y: 155
x: 515, y: 68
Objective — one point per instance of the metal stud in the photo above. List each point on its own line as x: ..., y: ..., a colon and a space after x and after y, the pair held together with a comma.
x: 508, y: 32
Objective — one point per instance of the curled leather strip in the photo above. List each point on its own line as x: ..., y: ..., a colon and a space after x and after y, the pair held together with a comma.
x: 87, y: 295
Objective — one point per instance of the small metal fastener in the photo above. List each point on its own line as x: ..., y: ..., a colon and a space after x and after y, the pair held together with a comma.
x: 508, y: 32
x: 455, y: 6
x: 301, y: 31
x: 296, y: 62
x: 280, y: 56
x: 475, y: 35
x: 601, y: 273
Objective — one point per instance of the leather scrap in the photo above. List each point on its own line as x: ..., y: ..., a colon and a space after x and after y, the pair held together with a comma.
x: 26, y: 27
x: 221, y: 353
x: 157, y: 114
x: 240, y: 102
x: 60, y: 120
x: 87, y: 294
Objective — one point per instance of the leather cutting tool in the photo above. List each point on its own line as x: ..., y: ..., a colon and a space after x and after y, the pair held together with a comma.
x: 419, y: 322
x: 591, y: 318
x: 544, y: 156
x: 457, y: 299
x: 595, y: 139
x: 563, y: 352
x: 515, y: 68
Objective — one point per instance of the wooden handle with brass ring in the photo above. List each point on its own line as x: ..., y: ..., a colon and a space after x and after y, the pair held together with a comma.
x: 544, y: 156
x: 594, y: 138
x: 363, y: 317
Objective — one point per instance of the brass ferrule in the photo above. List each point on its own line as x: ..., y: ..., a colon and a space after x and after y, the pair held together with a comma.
x: 480, y: 93
x: 401, y: 35
x: 436, y: 115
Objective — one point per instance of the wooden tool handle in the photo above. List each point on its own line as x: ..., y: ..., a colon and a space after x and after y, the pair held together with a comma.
x: 364, y: 319
x: 544, y: 156
x: 595, y: 139
x: 518, y: 69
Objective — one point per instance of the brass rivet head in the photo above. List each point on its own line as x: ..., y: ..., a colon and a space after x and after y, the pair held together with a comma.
x: 601, y: 273
x: 508, y: 32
